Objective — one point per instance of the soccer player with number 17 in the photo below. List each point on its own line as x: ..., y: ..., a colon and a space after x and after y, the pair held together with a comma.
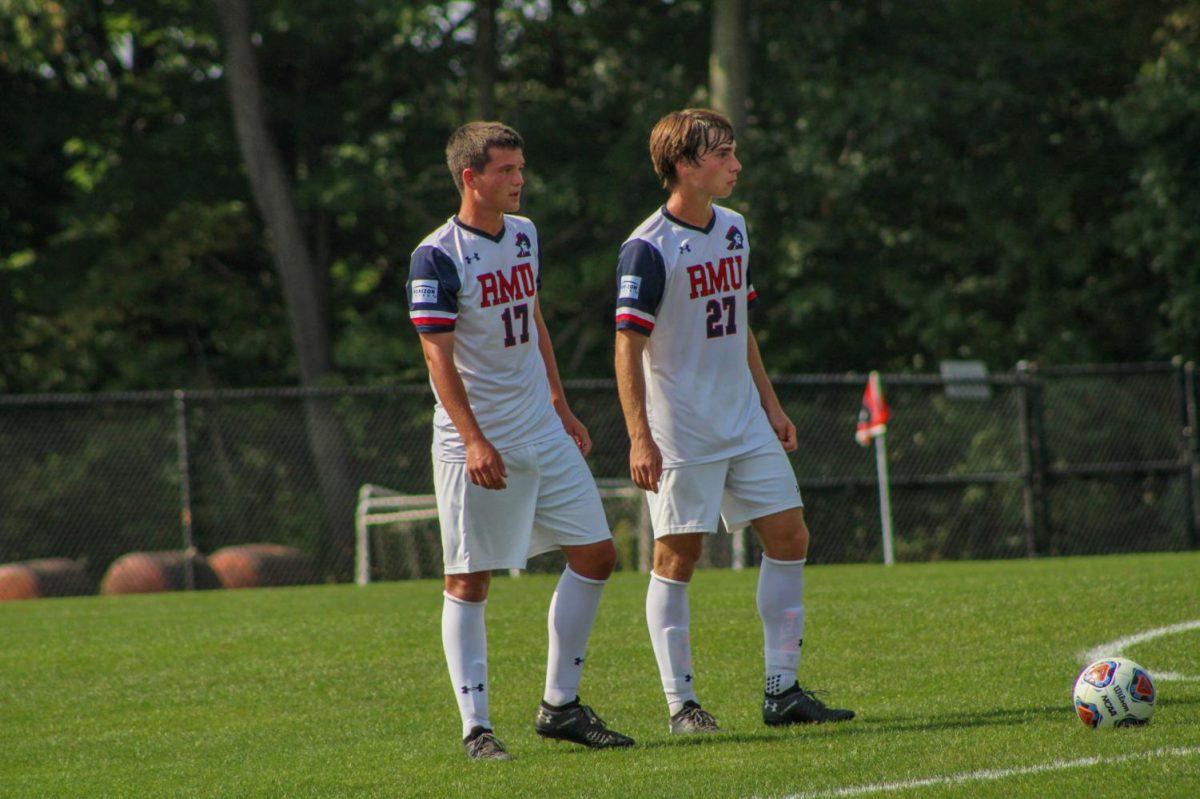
x: 708, y: 436
x: 508, y: 465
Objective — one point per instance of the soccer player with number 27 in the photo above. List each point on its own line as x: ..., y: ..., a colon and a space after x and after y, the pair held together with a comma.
x: 508, y: 466
x: 708, y: 436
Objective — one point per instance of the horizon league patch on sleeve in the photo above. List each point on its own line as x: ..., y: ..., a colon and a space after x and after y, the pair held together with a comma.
x: 424, y: 291
x: 631, y: 286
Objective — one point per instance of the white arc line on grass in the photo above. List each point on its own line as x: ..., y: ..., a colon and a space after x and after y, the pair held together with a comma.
x: 1114, y: 648
x: 993, y: 774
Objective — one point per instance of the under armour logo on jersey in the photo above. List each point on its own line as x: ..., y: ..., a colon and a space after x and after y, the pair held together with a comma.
x: 734, y: 237
x: 685, y: 247
x: 578, y: 661
x: 466, y: 689
x: 472, y: 257
x: 523, y: 245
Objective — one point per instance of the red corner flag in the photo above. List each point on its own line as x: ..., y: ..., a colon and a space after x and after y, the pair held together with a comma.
x: 873, y: 418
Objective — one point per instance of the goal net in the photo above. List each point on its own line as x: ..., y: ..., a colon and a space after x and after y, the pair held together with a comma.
x: 397, y: 535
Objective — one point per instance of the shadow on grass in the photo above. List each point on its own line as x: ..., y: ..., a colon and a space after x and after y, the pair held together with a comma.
x: 890, y: 725
x: 868, y: 725
x: 706, y: 739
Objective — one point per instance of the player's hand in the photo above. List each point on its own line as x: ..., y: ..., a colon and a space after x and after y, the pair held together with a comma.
x: 645, y: 463
x: 785, y: 431
x: 576, y: 430
x: 485, y: 467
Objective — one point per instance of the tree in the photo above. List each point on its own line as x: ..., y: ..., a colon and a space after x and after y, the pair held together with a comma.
x: 1158, y: 228
x: 305, y: 289
x: 729, y: 61
x: 483, y: 75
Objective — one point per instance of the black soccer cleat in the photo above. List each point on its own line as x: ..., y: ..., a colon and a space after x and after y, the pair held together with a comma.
x: 692, y: 719
x: 482, y: 744
x: 798, y: 706
x: 578, y: 724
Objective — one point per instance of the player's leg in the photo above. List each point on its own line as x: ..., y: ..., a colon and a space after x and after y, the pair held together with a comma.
x: 780, y: 594
x: 780, y: 599
x: 683, y: 513
x: 464, y: 640
x: 481, y: 530
x: 572, y: 613
x: 569, y: 515
x: 761, y: 487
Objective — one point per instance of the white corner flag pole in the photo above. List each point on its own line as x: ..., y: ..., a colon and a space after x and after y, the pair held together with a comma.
x: 885, y: 499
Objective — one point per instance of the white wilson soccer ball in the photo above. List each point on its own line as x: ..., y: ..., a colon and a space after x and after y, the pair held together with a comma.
x: 1114, y: 692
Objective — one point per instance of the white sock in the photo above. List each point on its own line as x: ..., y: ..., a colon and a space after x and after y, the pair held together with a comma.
x: 465, y: 640
x: 572, y: 611
x: 781, y: 606
x: 667, y: 617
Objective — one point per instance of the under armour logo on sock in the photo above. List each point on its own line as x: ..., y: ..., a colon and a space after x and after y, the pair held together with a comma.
x: 687, y: 678
x: 466, y: 689
x: 578, y: 661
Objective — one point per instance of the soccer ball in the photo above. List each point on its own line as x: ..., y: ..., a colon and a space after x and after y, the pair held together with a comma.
x: 1114, y: 692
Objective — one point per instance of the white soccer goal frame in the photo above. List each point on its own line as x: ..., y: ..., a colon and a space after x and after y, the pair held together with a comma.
x: 378, y: 505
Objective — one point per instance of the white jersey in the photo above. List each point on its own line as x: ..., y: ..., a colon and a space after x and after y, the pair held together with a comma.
x: 689, y: 290
x: 484, y: 288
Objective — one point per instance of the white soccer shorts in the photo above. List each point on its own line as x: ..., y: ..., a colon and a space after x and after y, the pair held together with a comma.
x: 739, y: 489
x: 551, y: 501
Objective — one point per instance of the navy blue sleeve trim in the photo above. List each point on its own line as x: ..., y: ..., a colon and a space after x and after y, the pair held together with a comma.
x: 432, y: 290
x: 641, y: 278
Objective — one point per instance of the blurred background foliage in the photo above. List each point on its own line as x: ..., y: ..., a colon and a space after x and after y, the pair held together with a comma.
x: 987, y: 179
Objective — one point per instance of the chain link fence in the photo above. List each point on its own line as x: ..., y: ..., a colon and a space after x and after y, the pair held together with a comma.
x: 1053, y: 461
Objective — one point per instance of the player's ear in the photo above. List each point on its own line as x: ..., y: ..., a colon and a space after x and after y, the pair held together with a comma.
x: 468, y: 178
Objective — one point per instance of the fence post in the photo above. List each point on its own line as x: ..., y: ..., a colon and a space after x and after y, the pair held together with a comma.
x: 185, y: 489
x: 1033, y: 491
x: 1191, y: 429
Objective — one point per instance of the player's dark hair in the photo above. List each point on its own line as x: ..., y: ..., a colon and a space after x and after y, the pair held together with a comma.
x: 686, y: 135
x: 469, y: 146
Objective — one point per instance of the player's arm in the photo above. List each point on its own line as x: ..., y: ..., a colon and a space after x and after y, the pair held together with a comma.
x: 432, y: 288
x: 645, y: 459
x: 558, y: 397
x: 780, y: 423
x: 641, y: 283
x: 485, y: 467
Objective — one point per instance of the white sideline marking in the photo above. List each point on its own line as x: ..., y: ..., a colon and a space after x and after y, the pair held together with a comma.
x: 1114, y: 648
x: 993, y: 774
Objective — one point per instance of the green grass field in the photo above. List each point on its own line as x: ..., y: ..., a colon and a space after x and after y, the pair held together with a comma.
x: 341, y: 691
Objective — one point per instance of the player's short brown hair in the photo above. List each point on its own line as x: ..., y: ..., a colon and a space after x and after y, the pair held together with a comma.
x: 686, y: 136
x: 468, y: 146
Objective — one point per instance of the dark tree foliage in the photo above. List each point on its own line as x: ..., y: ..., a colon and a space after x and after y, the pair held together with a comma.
x: 992, y: 180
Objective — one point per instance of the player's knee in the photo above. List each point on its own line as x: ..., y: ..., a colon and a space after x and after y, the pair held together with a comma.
x: 675, y: 557
x: 468, y: 587
x: 800, y: 537
x: 606, y: 561
x: 594, y: 562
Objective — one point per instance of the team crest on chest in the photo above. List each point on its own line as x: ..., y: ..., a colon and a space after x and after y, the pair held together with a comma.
x: 735, y: 238
x: 523, y: 245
